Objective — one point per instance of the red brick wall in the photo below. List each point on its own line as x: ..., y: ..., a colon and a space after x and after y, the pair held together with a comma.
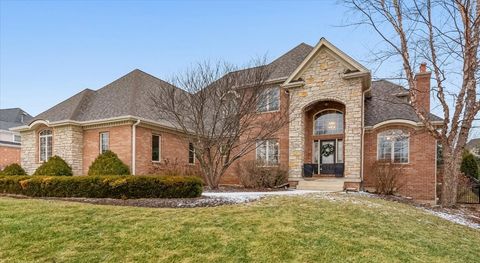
x: 419, y: 174
x: 120, y: 143
x: 9, y: 155
x: 173, y: 148
x: 282, y: 136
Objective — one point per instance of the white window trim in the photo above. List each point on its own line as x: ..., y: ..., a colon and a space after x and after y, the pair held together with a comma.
x: 159, y: 148
x: 268, y: 104
x: 392, y: 154
x: 259, y: 142
x: 46, y: 145
x: 100, y: 141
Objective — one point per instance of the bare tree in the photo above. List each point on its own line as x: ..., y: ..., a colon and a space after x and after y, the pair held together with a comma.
x: 214, y: 105
x: 445, y: 34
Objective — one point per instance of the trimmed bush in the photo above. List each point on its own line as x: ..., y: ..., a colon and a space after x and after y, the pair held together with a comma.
x: 469, y: 165
x: 254, y: 175
x: 55, y: 166
x: 13, y: 169
x: 108, y: 163
x: 103, y: 186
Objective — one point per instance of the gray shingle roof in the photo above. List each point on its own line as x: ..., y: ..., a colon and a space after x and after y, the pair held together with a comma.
x: 128, y: 95
x: 286, y: 64
x: 12, y: 118
x: 384, y: 104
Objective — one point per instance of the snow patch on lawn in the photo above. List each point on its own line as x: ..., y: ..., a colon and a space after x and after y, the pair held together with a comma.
x: 244, y: 197
x: 455, y: 218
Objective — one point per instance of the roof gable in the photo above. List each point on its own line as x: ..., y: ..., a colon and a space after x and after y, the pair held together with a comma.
x: 349, y: 62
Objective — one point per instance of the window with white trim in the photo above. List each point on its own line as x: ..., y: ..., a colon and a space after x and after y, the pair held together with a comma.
x: 156, y: 148
x: 104, y: 142
x: 45, y: 145
x: 393, y: 145
x: 269, y: 100
x: 191, y: 153
x: 17, y: 138
x: 267, y: 152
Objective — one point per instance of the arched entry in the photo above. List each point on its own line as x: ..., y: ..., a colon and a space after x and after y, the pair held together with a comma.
x: 324, y: 139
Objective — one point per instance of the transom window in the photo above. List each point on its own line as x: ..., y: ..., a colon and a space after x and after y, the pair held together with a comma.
x: 393, y: 145
x: 45, y: 146
x: 267, y: 152
x: 104, y: 142
x: 156, y: 148
x: 328, y: 122
x: 269, y: 100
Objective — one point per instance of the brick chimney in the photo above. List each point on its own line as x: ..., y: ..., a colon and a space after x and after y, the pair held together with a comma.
x: 422, y: 79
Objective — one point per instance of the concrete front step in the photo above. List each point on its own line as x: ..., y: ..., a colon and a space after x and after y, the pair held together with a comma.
x: 331, y: 185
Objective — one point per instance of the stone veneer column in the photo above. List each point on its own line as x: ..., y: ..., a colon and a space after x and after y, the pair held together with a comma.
x: 324, y: 82
x: 68, y: 144
x: 28, y: 157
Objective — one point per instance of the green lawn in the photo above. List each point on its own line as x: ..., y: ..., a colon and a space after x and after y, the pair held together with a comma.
x: 277, y: 229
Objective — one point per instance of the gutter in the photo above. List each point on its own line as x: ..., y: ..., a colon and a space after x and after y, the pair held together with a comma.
x: 134, y: 148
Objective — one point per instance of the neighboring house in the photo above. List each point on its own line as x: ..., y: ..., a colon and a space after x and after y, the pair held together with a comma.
x: 10, y: 140
x: 342, y: 122
x: 473, y: 146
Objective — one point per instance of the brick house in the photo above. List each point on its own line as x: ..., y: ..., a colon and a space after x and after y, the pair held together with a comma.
x: 341, y: 123
x: 10, y: 141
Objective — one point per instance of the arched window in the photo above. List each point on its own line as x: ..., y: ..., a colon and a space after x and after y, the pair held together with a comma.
x: 393, y: 145
x: 45, y: 145
x: 328, y: 122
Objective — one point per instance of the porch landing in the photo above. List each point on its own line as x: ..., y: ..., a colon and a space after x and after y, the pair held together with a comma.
x: 328, y: 184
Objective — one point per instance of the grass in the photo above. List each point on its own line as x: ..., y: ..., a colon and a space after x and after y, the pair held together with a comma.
x: 277, y: 229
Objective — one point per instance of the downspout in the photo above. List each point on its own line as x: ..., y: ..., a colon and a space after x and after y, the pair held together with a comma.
x: 134, y: 140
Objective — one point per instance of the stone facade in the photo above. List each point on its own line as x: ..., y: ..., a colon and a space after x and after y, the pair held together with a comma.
x: 68, y: 144
x: 324, y: 82
x: 29, y: 151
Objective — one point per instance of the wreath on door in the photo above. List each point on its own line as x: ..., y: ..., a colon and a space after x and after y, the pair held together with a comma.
x: 327, y: 150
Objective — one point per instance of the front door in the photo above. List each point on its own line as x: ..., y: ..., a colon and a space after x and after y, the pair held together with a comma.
x: 329, y: 156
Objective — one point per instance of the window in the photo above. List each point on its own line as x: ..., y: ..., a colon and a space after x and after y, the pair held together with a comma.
x: 328, y: 122
x: 17, y: 138
x: 267, y: 152
x: 156, y: 148
x: 393, y: 145
x: 269, y: 100
x: 191, y: 153
x: 45, y: 146
x: 104, y: 142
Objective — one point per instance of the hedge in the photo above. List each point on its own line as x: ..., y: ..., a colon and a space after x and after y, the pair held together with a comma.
x: 108, y: 163
x: 124, y: 187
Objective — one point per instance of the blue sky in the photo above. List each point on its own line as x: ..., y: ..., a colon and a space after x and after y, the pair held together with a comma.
x: 50, y: 50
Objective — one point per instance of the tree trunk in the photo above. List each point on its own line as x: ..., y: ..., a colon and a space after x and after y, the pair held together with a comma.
x: 451, y: 173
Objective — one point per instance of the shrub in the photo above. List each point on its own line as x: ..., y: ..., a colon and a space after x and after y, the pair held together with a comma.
x: 253, y: 175
x: 13, y: 169
x: 174, y: 168
x: 55, y: 166
x: 469, y: 165
x: 386, y: 177
x: 108, y: 163
x: 103, y: 186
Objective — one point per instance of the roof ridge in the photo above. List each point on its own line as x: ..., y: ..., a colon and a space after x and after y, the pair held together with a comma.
x: 82, y: 100
x: 290, y: 51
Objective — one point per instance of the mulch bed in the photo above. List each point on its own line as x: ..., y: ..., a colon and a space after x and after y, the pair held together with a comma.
x: 202, y: 201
